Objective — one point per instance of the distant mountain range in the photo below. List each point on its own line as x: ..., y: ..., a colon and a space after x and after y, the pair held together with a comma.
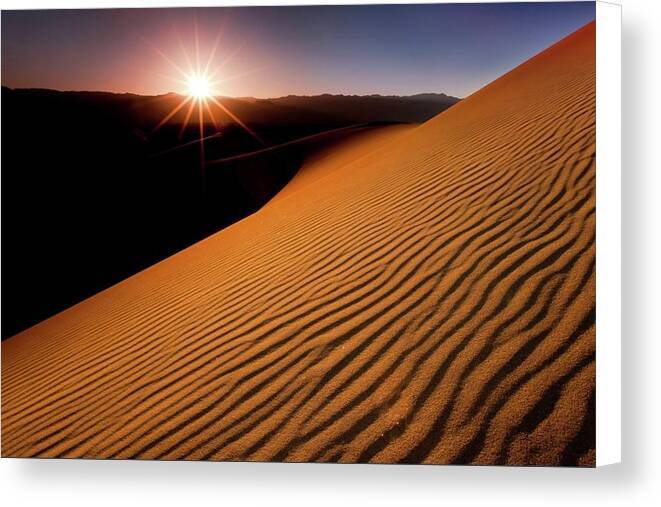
x: 146, y: 111
x: 365, y: 108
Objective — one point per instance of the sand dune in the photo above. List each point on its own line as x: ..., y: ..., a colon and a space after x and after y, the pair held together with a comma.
x: 329, y: 158
x: 426, y: 299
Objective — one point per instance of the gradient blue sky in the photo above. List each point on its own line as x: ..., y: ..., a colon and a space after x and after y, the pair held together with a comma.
x: 387, y: 49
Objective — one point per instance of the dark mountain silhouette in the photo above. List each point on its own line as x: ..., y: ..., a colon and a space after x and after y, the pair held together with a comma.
x: 147, y: 111
x: 364, y: 108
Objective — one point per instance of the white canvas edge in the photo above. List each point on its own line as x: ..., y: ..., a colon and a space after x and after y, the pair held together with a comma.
x: 609, y: 157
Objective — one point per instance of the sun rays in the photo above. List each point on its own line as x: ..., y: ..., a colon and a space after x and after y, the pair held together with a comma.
x: 200, y: 83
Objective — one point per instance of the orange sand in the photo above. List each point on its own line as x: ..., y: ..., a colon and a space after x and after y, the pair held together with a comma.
x: 427, y: 298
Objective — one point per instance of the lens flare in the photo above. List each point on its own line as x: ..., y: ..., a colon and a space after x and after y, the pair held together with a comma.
x: 199, y: 87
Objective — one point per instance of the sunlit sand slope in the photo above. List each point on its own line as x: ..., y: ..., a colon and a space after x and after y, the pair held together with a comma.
x: 330, y: 158
x: 430, y: 301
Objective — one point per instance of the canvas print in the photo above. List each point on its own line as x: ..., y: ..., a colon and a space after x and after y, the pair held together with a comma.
x: 342, y: 234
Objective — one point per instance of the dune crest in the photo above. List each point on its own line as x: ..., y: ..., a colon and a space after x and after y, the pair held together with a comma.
x: 428, y: 301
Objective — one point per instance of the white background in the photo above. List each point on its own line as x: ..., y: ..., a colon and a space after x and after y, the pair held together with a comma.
x: 636, y: 481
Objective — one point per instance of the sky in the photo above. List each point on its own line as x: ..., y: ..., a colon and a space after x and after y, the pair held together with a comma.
x: 274, y: 51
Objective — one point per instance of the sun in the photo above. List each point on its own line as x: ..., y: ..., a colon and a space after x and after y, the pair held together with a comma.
x: 198, y: 87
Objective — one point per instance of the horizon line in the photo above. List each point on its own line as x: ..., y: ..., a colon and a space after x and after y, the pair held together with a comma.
x: 321, y: 94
